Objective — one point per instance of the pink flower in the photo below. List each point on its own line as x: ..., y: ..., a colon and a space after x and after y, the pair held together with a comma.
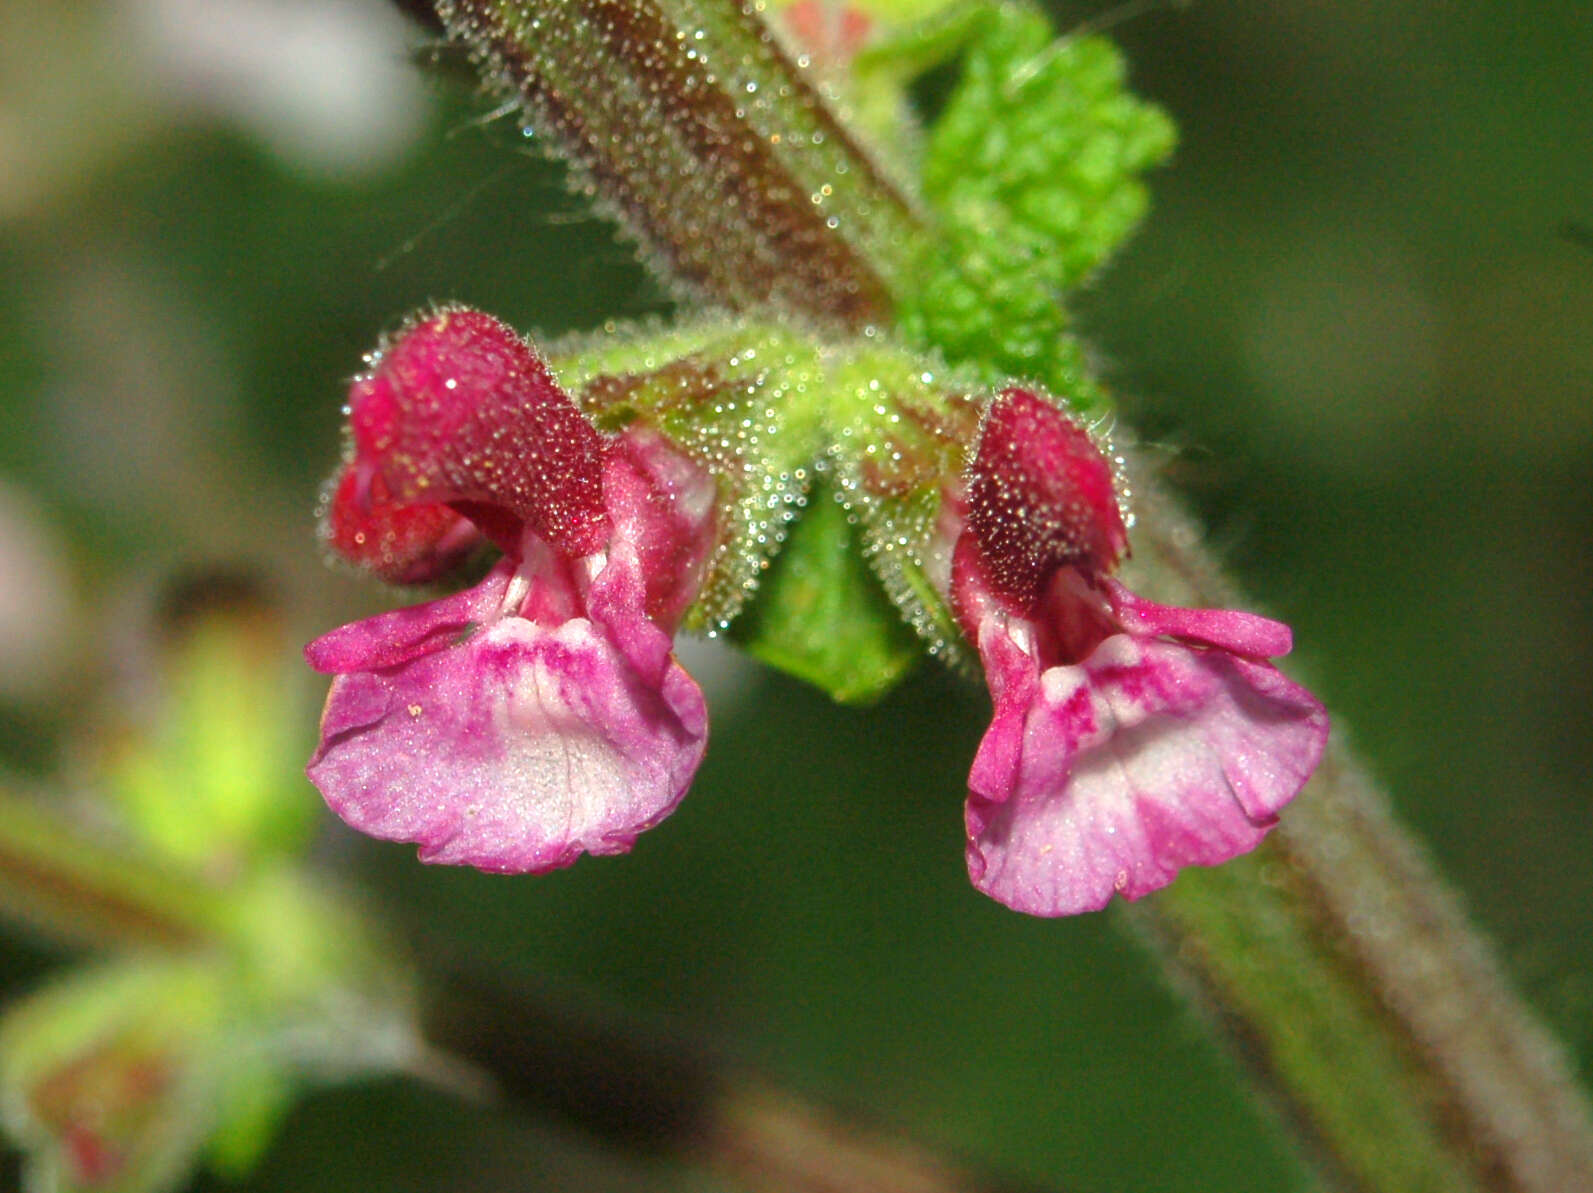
x: 541, y: 714
x: 1130, y: 739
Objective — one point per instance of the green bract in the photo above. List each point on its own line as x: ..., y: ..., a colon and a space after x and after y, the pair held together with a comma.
x: 826, y: 454
x: 821, y: 614
x: 110, y: 1077
x: 121, y: 1075
x: 250, y: 982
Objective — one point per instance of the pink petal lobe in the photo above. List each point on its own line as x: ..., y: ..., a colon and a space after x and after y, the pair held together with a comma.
x: 1014, y: 680
x: 390, y: 639
x: 1148, y: 757
x: 515, y: 751
x: 1242, y: 633
x: 662, y: 505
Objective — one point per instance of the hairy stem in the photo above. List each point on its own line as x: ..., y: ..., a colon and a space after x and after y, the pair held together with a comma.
x: 690, y: 125
x: 1343, y: 969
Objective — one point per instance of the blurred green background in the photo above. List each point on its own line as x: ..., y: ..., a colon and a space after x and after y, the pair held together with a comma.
x: 1358, y: 330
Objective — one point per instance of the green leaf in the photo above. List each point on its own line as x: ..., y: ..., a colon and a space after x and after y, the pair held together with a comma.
x: 821, y: 613
x: 1033, y: 174
x: 1047, y: 131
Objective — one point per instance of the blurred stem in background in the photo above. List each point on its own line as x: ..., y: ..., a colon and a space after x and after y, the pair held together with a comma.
x: 1335, y: 960
x: 635, y: 1089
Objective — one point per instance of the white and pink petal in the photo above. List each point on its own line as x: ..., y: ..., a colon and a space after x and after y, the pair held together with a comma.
x: 1148, y: 757
x: 515, y: 751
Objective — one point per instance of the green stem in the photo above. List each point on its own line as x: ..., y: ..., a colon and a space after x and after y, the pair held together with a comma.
x: 54, y: 877
x: 1343, y: 969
